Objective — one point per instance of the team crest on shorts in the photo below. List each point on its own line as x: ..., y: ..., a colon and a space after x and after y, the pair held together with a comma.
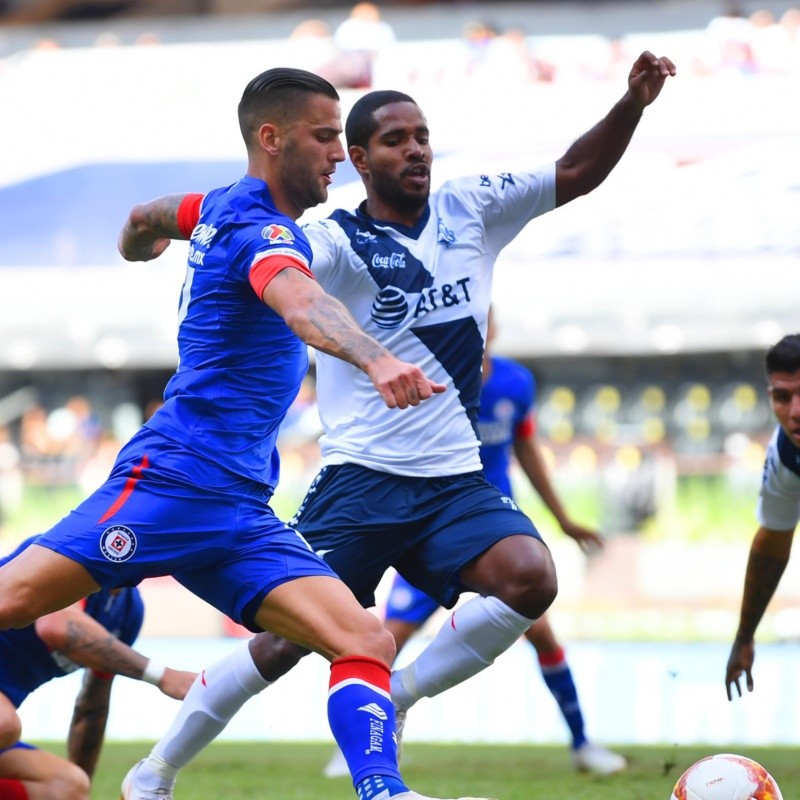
x: 118, y: 543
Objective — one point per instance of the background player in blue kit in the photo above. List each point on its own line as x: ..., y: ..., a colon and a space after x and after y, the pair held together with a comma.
x: 96, y: 633
x: 415, y: 269
x: 777, y: 512
x: 506, y: 423
x: 189, y: 493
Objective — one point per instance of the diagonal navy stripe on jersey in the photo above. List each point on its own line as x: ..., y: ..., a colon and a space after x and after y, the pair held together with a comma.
x: 458, y: 347
x: 389, y: 262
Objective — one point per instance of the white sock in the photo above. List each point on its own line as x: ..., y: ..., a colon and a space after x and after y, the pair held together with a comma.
x: 471, y: 639
x: 216, y: 695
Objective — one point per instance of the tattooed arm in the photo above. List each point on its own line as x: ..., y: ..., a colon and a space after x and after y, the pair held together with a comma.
x: 76, y: 636
x: 324, y: 323
x: 88, y: 726
x: 769, y: 554
x: 149, y: 228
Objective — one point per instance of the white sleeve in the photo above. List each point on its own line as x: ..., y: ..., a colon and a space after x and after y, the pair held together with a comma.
x: 778, y: 505
x: 508, y: 201
x: 324, y: 251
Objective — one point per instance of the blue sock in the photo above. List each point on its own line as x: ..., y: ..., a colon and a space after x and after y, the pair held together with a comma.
x: 558, y: 677
x: 361, y: 716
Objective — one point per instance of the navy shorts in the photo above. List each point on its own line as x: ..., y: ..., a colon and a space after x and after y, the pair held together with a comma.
x: 166, y: 511
x: 362, y: 522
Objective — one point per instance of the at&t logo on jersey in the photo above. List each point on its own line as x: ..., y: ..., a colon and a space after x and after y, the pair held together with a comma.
x: 277, y: 234
x: 389, y: 308
x: 118, y: 543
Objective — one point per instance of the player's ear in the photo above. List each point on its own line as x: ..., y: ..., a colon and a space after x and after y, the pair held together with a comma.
x: 358, y: 155
x: 269, y: 138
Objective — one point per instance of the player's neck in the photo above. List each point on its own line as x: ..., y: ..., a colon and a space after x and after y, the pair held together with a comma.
x: 383, y: 212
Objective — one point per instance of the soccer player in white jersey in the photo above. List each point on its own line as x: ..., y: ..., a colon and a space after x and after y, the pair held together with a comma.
x: 415, y: 270
x: 777, y: 512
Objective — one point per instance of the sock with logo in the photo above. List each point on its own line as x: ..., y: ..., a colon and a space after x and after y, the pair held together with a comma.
x: 471, y: 639
x: 361, y: 716
x: 558, y: 677
x: 216, y: 695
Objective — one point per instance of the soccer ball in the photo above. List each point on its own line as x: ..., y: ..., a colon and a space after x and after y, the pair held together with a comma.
x: 726, y: 777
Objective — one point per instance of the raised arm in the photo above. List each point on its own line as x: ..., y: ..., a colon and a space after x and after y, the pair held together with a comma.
x: 150, y: 227
x: 324, y: 323
x: 75, y: 635
x: 769, y: 555
x: 590, y: 159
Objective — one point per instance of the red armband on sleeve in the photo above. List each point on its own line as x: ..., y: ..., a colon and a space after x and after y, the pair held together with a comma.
x: 189, y: 213
x: 263, y: 271
x: 527, y: 428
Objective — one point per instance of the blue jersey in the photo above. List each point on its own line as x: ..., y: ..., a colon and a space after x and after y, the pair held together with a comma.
x: 25, y: 661
x: 240, y: 364
x: 505, y: 414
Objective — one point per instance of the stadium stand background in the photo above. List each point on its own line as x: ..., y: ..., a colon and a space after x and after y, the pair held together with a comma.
x: 644, y: 309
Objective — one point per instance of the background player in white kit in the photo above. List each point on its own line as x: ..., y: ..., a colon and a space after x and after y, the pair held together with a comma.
x: 778, y: 510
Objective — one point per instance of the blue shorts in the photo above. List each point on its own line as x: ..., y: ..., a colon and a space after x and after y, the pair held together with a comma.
x: 362, y: 522
x: 167, y: 511
x: 408, y: 604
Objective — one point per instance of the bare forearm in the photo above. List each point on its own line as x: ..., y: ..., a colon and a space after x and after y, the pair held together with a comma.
x: 92, y: 646
x: 761, y: 581
x: 325, y: 324
x: 88, y: 726
x: 592, y: 157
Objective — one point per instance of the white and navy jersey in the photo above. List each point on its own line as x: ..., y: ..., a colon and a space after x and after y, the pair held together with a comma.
x: 779, y: 500
x: 423, y: 292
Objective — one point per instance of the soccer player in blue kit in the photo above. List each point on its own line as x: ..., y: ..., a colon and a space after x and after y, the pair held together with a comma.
x: 777, y: 511
x: 415, y: 267
x: 506, y: 424
x: 97, y: 633
x: 189, y: 494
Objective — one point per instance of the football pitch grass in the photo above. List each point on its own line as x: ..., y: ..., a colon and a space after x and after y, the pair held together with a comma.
x: 277, y: 771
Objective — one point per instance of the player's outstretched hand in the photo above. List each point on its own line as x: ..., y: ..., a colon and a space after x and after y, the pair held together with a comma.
x: 647, y: 77
x: 176, y: 682
x: 401, y: 384
x: 740, y: 662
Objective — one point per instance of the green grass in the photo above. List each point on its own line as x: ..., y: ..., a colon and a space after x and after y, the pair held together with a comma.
x: 272, y: 771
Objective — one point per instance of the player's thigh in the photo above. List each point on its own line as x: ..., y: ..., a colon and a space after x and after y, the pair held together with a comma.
x: 321, y: 614
x: 39, y: 581
x: 25, y: 763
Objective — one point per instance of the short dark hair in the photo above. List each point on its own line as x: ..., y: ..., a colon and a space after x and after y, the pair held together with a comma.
x: 361, y: 123
x: 276, y: 93
x: 785, y: 355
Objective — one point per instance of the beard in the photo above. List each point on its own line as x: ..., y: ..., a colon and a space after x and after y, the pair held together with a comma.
x: 392, y: 193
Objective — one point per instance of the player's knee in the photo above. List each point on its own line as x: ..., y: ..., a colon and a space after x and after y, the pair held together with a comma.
x: 274, y: 656
x: 70, y: 783
x: 10, y: 730
x: 376, y: 642
x: 531, y: 584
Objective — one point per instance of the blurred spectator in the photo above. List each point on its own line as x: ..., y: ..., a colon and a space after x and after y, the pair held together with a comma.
x: 360, y: 38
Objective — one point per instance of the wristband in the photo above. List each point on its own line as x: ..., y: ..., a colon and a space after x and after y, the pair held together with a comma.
x: 153, y: 672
